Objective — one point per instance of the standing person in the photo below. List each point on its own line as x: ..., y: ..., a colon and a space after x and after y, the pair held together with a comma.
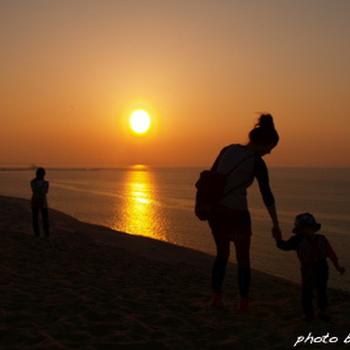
x: 40, y: 188
x: 312, y: 249
x: 230, y: 219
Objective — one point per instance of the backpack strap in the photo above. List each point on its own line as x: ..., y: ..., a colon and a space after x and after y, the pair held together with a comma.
x: 239, y: 163
x: 216, y: 164
x: 243, y: 183
x: 221, y: 154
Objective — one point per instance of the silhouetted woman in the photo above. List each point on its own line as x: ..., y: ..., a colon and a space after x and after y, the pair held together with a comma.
x: 230, y: 220
x: 40, y: 188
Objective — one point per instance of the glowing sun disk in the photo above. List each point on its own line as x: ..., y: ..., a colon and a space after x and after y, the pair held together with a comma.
x: 140, y: 121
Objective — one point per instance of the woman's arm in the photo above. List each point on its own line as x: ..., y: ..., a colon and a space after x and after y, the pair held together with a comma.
x: 262, y: 176
x: 273, y: 214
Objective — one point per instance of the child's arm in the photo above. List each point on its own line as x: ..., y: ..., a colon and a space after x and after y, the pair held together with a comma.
x: 290, y: 244
x: 333, y: 257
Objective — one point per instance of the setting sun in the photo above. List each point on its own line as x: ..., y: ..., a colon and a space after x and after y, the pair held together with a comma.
x: 140, y: 121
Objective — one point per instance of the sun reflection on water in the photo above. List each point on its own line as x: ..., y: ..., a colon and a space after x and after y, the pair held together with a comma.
x: 141, y: 212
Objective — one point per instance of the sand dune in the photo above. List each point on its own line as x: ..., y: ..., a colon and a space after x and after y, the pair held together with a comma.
x: 89, y: 287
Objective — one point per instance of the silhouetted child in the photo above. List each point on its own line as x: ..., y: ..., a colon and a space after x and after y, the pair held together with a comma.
x: 312, y: 250
x: 40, y: 188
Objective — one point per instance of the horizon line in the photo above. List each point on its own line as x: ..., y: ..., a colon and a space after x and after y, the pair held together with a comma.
x: 145, y: 166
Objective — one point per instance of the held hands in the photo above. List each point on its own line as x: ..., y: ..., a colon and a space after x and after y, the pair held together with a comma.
x: 276, y: 233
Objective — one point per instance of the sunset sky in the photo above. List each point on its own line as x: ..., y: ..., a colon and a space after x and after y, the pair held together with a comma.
x: 72, y: 72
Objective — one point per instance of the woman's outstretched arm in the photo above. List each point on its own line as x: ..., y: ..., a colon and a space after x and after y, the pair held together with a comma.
x: 273, y: 214
x: 262, y: 176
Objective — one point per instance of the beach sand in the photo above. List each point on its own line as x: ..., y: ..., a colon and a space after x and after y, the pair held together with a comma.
x: 89, y: 287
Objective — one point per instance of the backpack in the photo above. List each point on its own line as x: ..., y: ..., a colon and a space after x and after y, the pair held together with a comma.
x: 210, y: 187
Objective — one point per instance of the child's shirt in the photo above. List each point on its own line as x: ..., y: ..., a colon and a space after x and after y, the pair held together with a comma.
x: 39, y: 188
x: 311, y: 249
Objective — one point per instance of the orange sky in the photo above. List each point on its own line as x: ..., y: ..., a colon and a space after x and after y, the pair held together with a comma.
x: 72, y: 71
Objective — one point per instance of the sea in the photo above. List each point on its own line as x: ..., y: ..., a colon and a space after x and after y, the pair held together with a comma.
x: 159, y: 203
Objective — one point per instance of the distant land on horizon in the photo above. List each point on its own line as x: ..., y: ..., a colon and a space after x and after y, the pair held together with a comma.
x: 145, y: 166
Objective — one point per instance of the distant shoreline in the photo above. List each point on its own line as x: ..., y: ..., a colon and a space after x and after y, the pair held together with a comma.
x: 133, y: 168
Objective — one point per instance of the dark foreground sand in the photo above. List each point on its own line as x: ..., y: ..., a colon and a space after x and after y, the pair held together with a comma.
x: 89, y: 287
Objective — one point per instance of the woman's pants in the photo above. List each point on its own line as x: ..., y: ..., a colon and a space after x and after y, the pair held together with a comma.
x: 231, y: 225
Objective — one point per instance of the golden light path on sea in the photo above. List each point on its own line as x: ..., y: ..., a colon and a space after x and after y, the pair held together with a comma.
x: 141, y: 210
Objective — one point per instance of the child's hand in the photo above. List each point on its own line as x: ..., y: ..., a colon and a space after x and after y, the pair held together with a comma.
x: 341, y: 270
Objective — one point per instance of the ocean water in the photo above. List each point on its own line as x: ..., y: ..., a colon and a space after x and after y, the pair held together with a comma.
x: 158, y: 203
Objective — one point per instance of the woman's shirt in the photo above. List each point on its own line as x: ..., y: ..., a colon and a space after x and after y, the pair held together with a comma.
x: 249, y: 166
x: 39, y: 188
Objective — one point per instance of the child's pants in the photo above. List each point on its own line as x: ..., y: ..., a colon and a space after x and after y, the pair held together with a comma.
x: 314, y: 277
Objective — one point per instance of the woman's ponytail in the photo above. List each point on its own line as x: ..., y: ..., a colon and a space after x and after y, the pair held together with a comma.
x: 264, y: 132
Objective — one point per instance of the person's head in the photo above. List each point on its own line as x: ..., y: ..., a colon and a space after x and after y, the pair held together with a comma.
x: 305, y: 224
x: 40, y: 173
x: 264, y: 136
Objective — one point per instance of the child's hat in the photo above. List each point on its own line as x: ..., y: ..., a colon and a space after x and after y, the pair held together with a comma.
x: 305, y: 220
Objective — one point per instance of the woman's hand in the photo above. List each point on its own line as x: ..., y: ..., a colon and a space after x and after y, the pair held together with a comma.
x: 276, y: 233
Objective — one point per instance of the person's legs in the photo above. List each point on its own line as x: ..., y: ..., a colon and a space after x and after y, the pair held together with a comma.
x: 35, y: 221
x: 306, y: 300
x: 322, y: 281
x: 241, y: 237
x: 242, y: 245
x: 218, y: 227
x: 220, y: 263
x: 226, y: 226
x: 45, y: 218
x: 307, y: 292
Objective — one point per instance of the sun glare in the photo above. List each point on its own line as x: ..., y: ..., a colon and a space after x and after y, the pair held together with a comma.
x: 140, y: 121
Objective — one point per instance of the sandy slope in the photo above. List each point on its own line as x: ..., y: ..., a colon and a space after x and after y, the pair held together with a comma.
x: 89, y: 287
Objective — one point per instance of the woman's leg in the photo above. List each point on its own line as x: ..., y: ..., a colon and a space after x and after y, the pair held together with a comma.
x: 242, y: 245
x: 220, y: 263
